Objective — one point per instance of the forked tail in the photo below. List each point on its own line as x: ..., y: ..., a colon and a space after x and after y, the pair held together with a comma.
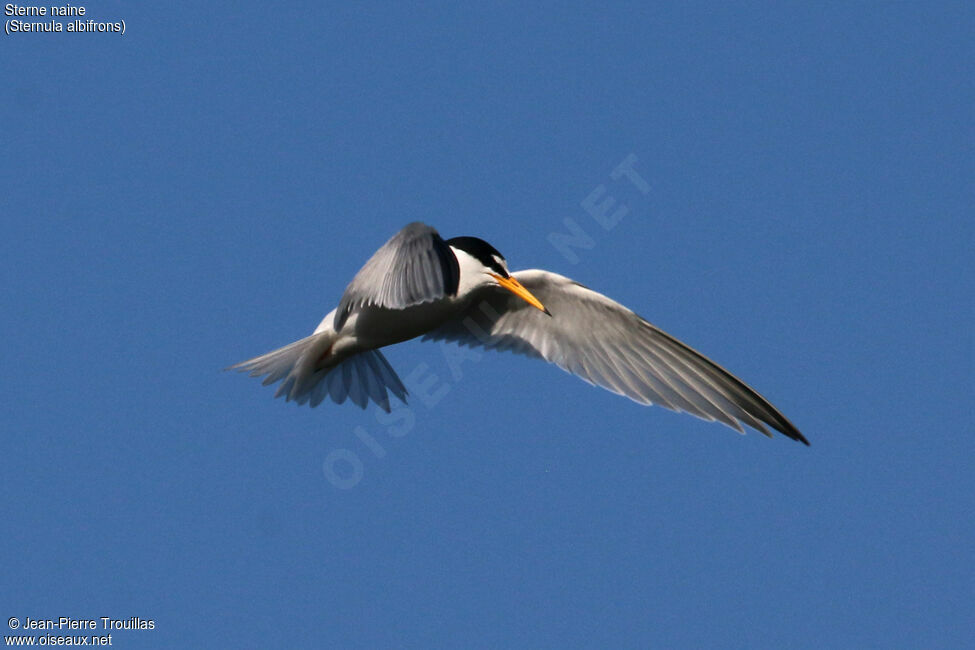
x: 361, y: 377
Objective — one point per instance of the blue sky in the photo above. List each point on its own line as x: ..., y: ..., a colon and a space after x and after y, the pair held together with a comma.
x: 200, y: 190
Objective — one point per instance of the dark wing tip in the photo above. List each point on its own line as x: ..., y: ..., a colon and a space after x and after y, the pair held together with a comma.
x: 795, y: 435
x: 788, y: 429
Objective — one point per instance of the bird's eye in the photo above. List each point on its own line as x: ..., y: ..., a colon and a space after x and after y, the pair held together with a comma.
x: 499, y: 266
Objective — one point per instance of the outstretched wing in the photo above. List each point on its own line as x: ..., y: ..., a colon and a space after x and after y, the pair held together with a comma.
x: 415, y: 266
x: 606, y: 344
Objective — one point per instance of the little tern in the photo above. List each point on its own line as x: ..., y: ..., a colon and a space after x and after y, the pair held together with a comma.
x: 460, y: 290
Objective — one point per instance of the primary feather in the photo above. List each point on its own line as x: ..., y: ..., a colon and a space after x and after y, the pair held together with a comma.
x: 606, y: 344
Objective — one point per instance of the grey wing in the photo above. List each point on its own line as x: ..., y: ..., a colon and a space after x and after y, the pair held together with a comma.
x: 606, y: 344
x: 415, y: 266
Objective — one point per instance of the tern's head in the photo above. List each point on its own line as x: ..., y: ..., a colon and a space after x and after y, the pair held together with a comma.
x: 482, y: 265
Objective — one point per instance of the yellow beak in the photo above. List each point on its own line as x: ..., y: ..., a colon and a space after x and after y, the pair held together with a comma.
x: 516, y: 288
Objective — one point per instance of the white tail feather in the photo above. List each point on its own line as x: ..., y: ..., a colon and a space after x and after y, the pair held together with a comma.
x: 362, y: 377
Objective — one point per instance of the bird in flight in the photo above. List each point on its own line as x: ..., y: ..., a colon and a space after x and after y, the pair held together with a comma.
x: 460, y: 290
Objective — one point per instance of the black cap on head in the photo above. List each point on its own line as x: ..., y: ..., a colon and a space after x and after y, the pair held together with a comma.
x: 482, y: 251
